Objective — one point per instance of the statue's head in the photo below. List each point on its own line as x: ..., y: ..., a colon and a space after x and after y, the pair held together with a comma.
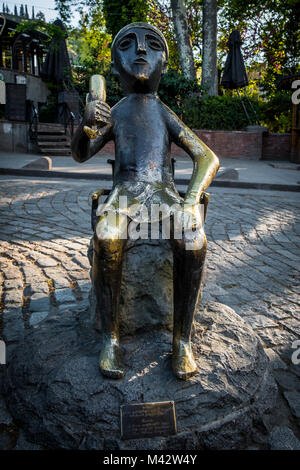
x: 139, y: 55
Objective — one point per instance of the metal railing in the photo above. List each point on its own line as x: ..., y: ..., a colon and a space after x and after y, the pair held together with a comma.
x: 68, y: 120
x: 33, y: 122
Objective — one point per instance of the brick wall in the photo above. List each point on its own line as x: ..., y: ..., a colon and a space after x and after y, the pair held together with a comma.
x: 236, y: 144
x: 276, y: 147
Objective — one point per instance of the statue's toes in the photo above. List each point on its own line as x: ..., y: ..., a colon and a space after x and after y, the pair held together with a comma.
x: 184, y: 365
x: 110, y: 364
x: 112, y: 373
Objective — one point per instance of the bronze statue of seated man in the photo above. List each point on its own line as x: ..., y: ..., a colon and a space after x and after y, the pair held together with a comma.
x: 143, y: 129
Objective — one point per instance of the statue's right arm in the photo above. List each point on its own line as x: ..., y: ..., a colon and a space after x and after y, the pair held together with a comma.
x: 84, y: 148
x: 96, y: 112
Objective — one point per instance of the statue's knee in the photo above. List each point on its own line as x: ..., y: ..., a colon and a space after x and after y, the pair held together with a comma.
x: 194, y: 241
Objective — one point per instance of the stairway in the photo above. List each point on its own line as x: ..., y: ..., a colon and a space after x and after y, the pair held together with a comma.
x: 52, y: 140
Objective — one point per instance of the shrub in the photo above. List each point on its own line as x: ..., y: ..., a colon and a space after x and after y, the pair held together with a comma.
x: 218, y: 112
x: 277, y: 112
x: 199, y: 111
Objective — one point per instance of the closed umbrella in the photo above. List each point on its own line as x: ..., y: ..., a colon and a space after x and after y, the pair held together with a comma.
x: 57, y: 65
x: 234, y: 75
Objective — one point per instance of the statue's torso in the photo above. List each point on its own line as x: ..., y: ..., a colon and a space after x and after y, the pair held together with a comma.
x: 142, y: 140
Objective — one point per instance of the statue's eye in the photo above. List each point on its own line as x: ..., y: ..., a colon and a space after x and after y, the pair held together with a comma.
x: 124, y: 44
x: 156, y: 45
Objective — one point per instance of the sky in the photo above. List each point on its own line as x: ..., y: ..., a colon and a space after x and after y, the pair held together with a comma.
x: 46, y: 6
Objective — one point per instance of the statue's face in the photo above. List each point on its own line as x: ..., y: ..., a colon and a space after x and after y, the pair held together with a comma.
x: 139, y: 60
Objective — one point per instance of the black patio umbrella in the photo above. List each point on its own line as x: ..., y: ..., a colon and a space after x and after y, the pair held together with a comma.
x: 234, y: 75
x: 57, y: 65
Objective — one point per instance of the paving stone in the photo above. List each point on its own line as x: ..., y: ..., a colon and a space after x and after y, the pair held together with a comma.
x: 68, y: 307
x: 31, y: 273
x: 13, y: 328
x: 39, y: 302
x: 13, y: 283
x: 78, y: 275
x: 84, y: 285
x: 37, y: 317
x: 36, y: 287
x: 258, y: 276
x: 13, y: 297
x: 44, y: 262
x: 12, y: 273
x: 64, y: 295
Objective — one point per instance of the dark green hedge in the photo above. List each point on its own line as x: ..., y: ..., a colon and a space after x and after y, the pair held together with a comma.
x: 218, y: 112
x: 198, y: 111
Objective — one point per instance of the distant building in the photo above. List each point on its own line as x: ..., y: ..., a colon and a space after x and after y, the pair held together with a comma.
x: 23, y: 92
x: 21, y: 58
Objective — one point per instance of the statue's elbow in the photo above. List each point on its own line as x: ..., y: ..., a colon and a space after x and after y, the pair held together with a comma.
x: 215, y: 162
x: 75, y: 151
x: 76, y: 156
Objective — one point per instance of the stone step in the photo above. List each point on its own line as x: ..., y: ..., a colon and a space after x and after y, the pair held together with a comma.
x: 51, y: 132
x: 52, y: 125
x: 59, y: 144
x: 56, y: 151
x: 52, y: 138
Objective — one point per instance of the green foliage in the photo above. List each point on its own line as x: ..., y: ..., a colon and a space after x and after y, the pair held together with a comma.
x: 113, y: 88
x: 63, y: 8
x: 277, y: 112
x: 217, y: 112
x: 119, y: 13
x: 226, y: 112
x: 175, y: 88
x: 49, y: 29
x: 271, y: 36
x: 89, y: 47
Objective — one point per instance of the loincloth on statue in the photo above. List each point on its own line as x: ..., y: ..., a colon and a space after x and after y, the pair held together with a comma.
x: 137, y: 201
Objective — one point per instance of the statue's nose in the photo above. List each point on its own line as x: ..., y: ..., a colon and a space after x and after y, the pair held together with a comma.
x: 141, y: 47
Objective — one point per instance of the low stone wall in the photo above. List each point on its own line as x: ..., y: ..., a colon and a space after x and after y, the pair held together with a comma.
x: 36, y: 90
x: 226, y: 144
x: 13, y: 136
x: 277, y: 147
x: 237, y: 144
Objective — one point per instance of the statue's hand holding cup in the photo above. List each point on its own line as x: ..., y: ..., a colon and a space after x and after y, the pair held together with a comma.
x: 97, y: 111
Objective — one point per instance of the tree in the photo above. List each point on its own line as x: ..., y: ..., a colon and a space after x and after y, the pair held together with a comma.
x: 183, y: 39
x: 119, y: 13
x: 209, y: 54
x: 270, y: 33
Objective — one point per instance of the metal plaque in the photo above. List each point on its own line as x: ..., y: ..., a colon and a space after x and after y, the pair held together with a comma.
x: 148, y: 420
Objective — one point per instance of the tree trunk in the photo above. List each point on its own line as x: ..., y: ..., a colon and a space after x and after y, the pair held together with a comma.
x: 183, y: 39
x: 209, y: 53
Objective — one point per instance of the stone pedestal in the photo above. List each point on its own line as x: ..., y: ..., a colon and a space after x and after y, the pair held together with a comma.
x: 146, y: 298
x: 54, y: 389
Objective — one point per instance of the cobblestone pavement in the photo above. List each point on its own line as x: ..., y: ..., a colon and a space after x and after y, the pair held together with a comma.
x: 252, y: 266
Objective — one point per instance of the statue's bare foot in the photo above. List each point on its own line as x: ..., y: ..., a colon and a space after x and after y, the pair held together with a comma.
x: 110, y: 362
x: 183, y: 362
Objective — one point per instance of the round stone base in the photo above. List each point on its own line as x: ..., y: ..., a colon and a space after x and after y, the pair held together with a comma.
x: 54, y: 389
